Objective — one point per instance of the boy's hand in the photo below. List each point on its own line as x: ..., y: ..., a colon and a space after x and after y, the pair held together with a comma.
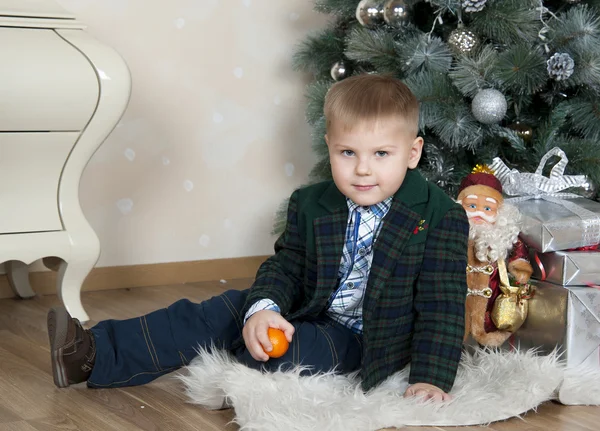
x: 427, y: 392
x: 255, y: 332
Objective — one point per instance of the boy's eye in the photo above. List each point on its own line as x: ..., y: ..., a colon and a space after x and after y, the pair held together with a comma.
x: 348, y: 153
x: 487, y: 208
x: 381, y: 153
x: 472, y: 206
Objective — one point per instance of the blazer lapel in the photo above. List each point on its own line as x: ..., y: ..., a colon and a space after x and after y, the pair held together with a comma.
x: 398, y: 227
x: 330, y: 235
x: 397, y: 230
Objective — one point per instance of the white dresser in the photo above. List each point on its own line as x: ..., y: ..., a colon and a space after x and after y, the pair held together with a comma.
x: 61, y: 94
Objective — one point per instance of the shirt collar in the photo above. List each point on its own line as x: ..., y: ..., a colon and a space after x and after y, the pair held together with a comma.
x: 380, y: 209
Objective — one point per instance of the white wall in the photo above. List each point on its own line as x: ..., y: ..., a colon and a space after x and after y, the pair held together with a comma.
x: 214, y: 137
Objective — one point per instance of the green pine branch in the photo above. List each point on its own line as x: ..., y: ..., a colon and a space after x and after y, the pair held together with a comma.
x: 584, y: 156
x: 508, y: 21
x: 420, y: 53
x: 578, y: 28
x: 456, y: 127
x: 447, y: 6
x: 376, y: 47
x: 507, y: 135
x: 584, y: 117
x: 522, y: 69
x: 587, y: 70
x: 473, y: 73
x: 337, y: 7
x: 319, y: 146
x: 315, y: 94
x: 280, y: 218
x: 318, y: 53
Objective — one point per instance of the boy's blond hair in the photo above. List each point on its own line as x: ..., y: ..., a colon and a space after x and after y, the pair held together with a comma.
x: 370, y: 98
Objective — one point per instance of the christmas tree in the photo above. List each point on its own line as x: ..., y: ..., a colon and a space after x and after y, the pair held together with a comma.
x: 507, y: 78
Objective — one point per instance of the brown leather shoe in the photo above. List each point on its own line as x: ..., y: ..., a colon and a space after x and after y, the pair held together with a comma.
x: 72, y: 348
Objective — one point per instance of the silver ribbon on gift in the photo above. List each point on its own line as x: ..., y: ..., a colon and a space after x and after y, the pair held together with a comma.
x: 526, y: 186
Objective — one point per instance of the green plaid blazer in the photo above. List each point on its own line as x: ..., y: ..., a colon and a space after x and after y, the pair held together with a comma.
x: 413, y: 308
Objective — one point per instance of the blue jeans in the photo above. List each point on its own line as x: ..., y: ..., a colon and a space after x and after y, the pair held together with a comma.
x: 137, y: 351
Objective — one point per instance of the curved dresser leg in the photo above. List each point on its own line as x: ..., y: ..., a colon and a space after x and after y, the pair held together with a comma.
x: 18, y: 278
x: 114, y: 82
x: 69, y: 280
x: 52, y: 263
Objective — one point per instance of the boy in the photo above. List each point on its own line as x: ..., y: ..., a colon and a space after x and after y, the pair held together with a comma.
x: 369, y: 273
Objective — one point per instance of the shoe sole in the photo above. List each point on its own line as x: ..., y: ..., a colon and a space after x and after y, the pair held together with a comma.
x: 58, y: 323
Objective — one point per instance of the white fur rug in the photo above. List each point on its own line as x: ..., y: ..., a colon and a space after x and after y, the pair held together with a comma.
x: 490, y: 386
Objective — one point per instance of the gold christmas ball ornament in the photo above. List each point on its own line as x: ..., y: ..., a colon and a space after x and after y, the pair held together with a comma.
x: 369, y: 13
x: 339, y: 71
x: 524, y: 131
x: 489, y: 106
x: 395, y: 12
x: 463, y: 41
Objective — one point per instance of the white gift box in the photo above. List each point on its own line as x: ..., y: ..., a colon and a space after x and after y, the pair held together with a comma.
x: 550, y: 226
x: 567, y: 268
x: 552, y: 219
x: 564, y: 317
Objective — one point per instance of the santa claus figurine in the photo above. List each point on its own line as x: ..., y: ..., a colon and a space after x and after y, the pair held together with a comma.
x: 493, y: 239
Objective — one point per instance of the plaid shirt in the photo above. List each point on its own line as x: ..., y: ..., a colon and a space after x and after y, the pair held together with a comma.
x: 345, y: 304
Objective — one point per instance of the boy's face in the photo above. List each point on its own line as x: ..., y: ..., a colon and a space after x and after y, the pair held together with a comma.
x: 370, y: 161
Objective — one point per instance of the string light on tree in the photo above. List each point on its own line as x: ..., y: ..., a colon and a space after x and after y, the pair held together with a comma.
x: 489, y: 106
x: 369, y: 13
x: 395, y: 12
x: 339, y: 71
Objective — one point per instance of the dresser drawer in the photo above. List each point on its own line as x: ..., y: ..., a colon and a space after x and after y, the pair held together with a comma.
x: 30, y: 169
x: 33, y: 9
x: 45, y: 83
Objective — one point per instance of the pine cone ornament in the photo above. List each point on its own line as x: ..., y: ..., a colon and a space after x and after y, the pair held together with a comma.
x: 560, y: 66
x: 473, y: 5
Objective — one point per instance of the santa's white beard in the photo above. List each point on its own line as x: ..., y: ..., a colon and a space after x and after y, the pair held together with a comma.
x: 493, y: 241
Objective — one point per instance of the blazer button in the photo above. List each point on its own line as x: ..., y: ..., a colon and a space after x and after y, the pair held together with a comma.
x: 350, y: 285
x: 362, y: 251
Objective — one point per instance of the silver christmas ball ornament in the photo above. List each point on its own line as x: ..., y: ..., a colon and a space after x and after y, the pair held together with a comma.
x: 463, y: 41
x: 489, y: 106
x: 339, y: 71
x: 369, y: 12
x: 395, y: 12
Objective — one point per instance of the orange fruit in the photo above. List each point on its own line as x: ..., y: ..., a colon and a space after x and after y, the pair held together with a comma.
x: 279, y: 342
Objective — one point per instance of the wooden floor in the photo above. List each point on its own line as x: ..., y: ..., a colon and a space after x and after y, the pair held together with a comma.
x: 29, y: 400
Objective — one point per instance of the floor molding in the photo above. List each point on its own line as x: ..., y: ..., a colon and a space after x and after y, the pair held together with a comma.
x: 159, y: 274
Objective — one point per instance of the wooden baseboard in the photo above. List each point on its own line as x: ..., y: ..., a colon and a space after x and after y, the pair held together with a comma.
x: 160, y: 274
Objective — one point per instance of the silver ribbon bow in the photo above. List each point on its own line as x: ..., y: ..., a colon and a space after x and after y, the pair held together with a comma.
x: 527, y: 186
x: 535, y: 186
